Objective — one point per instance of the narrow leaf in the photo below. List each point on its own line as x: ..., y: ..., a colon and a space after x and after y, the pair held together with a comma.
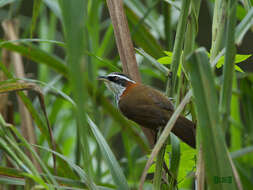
x: 113, y: 165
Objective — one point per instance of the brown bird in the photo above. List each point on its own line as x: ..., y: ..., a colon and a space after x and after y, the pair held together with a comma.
x: 147, y: 106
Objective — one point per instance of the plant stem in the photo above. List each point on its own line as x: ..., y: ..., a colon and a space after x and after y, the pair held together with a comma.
x: 228, y: 70
x: 218, y: 27
x: 159, y: 168
x: 179, y: 43
x: 167, y: 25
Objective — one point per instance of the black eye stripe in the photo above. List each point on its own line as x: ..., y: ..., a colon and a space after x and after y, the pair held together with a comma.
x: 111, y: 78
x: 118, y: 80
x: 122, y: 82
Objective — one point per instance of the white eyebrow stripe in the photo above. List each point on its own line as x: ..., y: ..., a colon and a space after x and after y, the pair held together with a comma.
x: 120, y: 76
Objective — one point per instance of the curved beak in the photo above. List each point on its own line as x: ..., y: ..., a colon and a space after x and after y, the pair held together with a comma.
x: 104, y: 78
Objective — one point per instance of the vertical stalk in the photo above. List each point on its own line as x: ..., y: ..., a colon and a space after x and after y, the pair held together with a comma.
x: 74, y: 13
x: 236, y: 134
x: 167, y: 25
x: 179, y: 43
x: 190, y: 35
x: 126, y: 48
x: 159, y: 168
x: 228, y: 70
x: 218, y: 27
x: 247, y: 4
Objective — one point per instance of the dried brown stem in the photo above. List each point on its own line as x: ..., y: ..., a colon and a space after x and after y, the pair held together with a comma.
x: 126, y: 48
x: 10, y: 29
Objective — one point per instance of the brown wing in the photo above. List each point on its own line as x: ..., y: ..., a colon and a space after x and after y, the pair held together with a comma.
x: 146, y: 106
x: 150, y: 108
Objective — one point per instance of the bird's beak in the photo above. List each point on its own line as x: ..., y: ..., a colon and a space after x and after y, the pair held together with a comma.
x: 104, y: 78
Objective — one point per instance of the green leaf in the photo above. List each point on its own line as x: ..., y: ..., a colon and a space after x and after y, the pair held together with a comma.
x: 238, y: 58
x: 5, y: 2
x: 74, y: 20
x: 237, y: 68
x: 217, y: 164
x: 78, y: 170
x: 142, y: 37
x: 165, y: 60
x: 244, y: 26
x: 38, y: 120
x: 242, y: 152
x: 36, y: 9
x: 117, y: 173
x: 188, y: 163
x: 34, y: 53
x: 54, y: 6
x: 155, y: 63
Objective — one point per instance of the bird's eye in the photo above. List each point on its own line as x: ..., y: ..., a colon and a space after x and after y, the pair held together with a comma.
x: 116, y: 78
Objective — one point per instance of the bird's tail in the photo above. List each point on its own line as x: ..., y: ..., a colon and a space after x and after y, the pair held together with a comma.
x: 186, y: 131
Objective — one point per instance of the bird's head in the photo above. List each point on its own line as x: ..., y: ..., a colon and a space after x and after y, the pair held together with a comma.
x: 117, y: 83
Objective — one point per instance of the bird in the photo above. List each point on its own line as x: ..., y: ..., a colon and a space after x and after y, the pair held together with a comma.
x: 147, y: 106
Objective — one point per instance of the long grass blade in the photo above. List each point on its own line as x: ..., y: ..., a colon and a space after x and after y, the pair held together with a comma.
x: 113, y: 165
x: 217, y: 163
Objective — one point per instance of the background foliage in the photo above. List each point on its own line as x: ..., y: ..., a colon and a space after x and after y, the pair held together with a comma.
x: 55, y: 49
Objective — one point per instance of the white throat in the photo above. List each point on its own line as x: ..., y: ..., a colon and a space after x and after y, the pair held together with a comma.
x: 116, y: 89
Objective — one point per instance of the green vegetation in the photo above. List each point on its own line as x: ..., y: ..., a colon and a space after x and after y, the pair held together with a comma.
x: 60, y: 127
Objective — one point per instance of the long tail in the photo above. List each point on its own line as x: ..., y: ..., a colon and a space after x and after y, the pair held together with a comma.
x: 185, y: 130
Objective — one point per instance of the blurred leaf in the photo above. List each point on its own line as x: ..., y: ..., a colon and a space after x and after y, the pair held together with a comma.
x: 147, y: 14
x: 36, y: 9
x: 155, y: 63
x: 27, y: 40
x: 174, y: 4
x: 188, y: 163
x: 175, y: 156
x: 5, y: 2
x: 74, y: 20
x: 54, y: 6
x: 246, y: 89
x: 236, y: 133
x: 107, y: 43
x: 104, y: 62
x: 75, y: 167
x: 216, y: 160
x: 240, y: 12
x: 237, y: 68
x: 245, y: 174
x: 35, y: 155
x: 242, y: 152
x: 238, y: 58
x: 113, y: 165
x: 12, y: 143
x: 142, y: 36
x: 167, y: 60
x: 38, y: 120
x: 41, y: 124
x: 244, y: 26
x: 37, y: 55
